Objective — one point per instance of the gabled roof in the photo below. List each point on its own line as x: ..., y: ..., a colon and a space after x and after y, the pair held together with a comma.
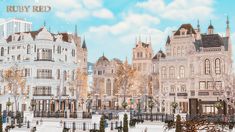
x: 162, y: 55
x: 188, y: 27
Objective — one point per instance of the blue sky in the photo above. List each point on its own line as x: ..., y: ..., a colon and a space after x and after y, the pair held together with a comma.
x: 111, y: 26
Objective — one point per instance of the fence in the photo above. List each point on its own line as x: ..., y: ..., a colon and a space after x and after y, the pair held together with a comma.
x: 91, y: 126
x: 212, y: 118
x: 153, y: 117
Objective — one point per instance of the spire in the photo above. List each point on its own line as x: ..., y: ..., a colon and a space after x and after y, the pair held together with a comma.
x: 227, y: 22
x: 210, y: 28
x: 44, y: 23
x: 76, y: 31
x: 198, y: 25
x: 227, y: 28
x: 84, y: 44
x: 168, y: 40
x: 139, y: 38
x: 103, y: 53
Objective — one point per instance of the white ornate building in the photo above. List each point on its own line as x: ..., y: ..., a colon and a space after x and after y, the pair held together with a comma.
x: 48, y: 63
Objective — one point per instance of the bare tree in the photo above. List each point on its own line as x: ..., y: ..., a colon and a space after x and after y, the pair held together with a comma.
x: 15, y: 83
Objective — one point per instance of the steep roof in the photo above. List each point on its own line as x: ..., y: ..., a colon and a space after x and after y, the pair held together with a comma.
x: 211, y: 40
x: 168, y: 41
x: 188, y: 27
x: 84, y: 44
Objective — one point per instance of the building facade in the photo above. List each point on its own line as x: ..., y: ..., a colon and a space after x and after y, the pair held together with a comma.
x: 10, y: 26
x: 195, y: 71
x: 49, y: 63
x: 104, y: 90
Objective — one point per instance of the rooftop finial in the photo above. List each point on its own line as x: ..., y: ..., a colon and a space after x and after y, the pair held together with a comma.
x: 227, y: 22
x: 103, y: 53
x: 139, y: 38
x: 76, y: 30
x: 198, y: 25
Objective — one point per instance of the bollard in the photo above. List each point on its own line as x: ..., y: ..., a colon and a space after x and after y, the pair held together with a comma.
x: 74, y: 127
x: 84, y: 126
x: 116, y: 124
x: 28, y: 124
x: 111, y: 125
x: 64, y: 124
x: 94, y: 126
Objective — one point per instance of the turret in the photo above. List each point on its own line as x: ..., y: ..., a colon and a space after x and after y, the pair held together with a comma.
x: 210, y: 28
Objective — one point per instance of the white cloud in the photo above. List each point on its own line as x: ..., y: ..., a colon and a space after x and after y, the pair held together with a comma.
x: 120, y: 37
x: 72, y: 10
x: 103, y: 13
x: 91, y: 4
x: 179, y: 9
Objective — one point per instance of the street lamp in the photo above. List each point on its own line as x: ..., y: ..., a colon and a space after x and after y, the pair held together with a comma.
x: 96, y: 104
x: 117, y: 102
x: 104, y: 101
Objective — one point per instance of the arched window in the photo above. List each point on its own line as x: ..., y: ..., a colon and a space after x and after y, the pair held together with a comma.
x: 182, y: 72
x: 173, y: 88
x: 65, y: 75
x: 18, y: 57
x: 182, y: 50
x: 171, y: 72
x: 207, y: 66
x: 178, y: 51
x: 164, y: 72
x: 2, y: 51
x: 217, y: 66
x: 108, y: 87
x: 28, y: 49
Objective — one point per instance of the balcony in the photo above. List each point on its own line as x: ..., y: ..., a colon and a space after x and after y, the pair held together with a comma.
x: 38, y: 94
x: 182, y: 94
x: 49, y: 59
x: 203, y: 93
x: 44, y: 78
x: 171, y: 94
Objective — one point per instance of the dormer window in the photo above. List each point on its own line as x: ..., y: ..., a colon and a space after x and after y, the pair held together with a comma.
x: 183, y: 31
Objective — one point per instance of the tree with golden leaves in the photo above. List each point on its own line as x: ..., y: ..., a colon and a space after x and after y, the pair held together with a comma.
x: 15, y: 83
x: 124, y: 79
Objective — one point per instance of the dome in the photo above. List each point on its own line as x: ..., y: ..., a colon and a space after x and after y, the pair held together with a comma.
x: 210, y: 27
x: 102, y: 60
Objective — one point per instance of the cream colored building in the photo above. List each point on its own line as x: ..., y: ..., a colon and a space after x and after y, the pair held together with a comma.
x: 196, y: 71
x: 104, y: 90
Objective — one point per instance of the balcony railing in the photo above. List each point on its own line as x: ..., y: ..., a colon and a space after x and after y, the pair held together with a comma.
x: 37, y: 94
x: 44, y: 60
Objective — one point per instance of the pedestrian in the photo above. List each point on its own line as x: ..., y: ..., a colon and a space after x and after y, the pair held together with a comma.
x: 145, y: 130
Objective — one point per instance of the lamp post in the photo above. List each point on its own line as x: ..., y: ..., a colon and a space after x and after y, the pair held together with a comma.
x: 117, y: 102
x: 96, y: 104
x: 104, y: 101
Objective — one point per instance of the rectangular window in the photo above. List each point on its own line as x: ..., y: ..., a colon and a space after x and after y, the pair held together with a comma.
x: 202, y: 85
x: 218, y: 85
x: 42, y: 91
x: 44, y: 74
x: 210, y: 85
x: 44, y: 54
